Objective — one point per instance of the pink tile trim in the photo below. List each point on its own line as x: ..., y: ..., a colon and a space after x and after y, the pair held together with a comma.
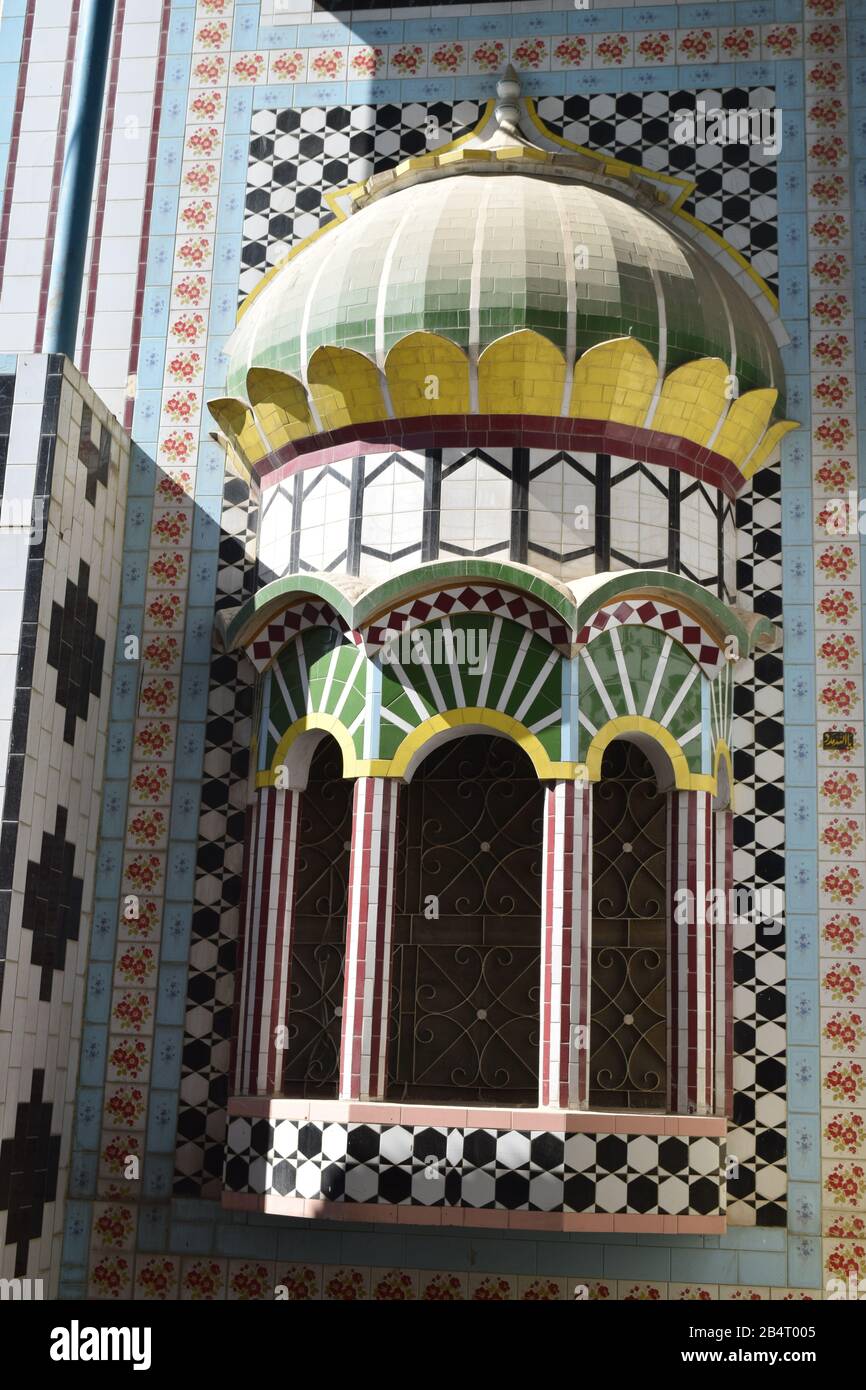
x: 101, y: 191
x: 552, y: 1120
x: 144, y: 244
x: 643, y: 1124
x: 534, y: 1220
x: 243, y: 1201
x: 8, y: 192
x: 57, y: 173
x: 419, y: 1216
x: 503, y: 431
x: 702, y: 1225
x: 581, y: 1221
x: 436, y: 1115
x: 488, y: 1119
x: 576, y: 1123
x: 369, y: 1114
x: 382, y: 1214
x: 715, y: 1125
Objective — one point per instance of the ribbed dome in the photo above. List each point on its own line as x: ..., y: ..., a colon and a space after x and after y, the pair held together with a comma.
x: 480, y: 255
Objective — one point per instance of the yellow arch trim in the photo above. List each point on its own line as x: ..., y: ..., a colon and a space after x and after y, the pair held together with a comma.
x: 774, y: 436
x: 353, y: 766
x: 238, y: 424
x: 544, y: 765
x: 692, y: 400
x: 619, y: 168
x: 280, y: 405
x: 345, y: 387
x: 521, y: 373
x: 684, y: 779
x: 422, y: 357
x: 614, y: 381
x: 745, y: 423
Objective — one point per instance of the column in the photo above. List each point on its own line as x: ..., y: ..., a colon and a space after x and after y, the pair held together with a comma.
x: 566, y: 909
x: 369, y: 932
x: 267, y: 941
x: 723, y: 831
x: 691, y: 962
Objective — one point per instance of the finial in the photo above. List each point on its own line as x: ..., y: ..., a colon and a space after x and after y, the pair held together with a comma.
x: 507, y: 109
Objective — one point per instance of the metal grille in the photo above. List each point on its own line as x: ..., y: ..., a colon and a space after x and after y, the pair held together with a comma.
x: 311, y: 1063
x: 628, y: 1004
x: 465, y: 984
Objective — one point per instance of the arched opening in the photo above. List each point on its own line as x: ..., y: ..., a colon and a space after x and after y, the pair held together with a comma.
x: 628, y: 1067
x: 312, y: 1056
x: 464, y: 1024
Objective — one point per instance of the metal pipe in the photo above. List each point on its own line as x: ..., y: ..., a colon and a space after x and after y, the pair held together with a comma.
x: 76, y: 181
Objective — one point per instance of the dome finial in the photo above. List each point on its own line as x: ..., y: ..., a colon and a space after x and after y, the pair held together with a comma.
x: 507, y: 109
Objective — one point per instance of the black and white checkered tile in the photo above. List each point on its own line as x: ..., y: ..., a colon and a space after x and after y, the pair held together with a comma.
x: 493, y: 1169
x: 759, y: 1134
x: 204, y: 1085
x: 296, y: 157
x: 735, y: 185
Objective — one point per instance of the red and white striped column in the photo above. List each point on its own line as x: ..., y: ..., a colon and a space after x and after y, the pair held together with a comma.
x: 723, y: 834
x: 565, y: 943
x: 691, y: 957
x: 267, y: 935
x: 369, y: 931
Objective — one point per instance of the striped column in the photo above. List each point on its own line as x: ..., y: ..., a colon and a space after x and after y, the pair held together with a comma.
x: 267, y: 951
x: 723, y: 857
x: 565, y: 940
x: 691, y: 960
x: 369, y: 927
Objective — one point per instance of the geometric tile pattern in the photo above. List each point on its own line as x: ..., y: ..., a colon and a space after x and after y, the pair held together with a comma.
x: 335, y: 146
x: 74, y: 650
x: 490, y: 1169
x: 698, y: 643
x: 29, y: 1164
x: 735, y: 191
x: 204, y: 1087
x: 475, y: 598
x: 271, y: 639
x: 93, y: 456
x: 759, y: 1134
x: 569, y: 513
x: 58, y: 747
x: 52, y: 903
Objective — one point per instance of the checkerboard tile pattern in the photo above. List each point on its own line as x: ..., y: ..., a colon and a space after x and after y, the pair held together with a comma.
x: 735, y: 185
x: 216, y: 911
x: 759, y: 1136
x: 298, y: 156
x: 491, y: 1169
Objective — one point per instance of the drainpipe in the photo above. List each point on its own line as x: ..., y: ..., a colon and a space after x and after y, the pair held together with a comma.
x: 76, y: 182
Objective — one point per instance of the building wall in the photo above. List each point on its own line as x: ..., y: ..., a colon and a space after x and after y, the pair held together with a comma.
x: 212, y: 204
x: 65, y: 467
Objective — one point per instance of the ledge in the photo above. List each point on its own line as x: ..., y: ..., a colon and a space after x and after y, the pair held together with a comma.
x: 545, y: 1170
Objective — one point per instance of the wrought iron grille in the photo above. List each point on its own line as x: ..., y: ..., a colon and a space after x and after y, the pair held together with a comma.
x: 311, y: 1062
x: 628, y: 1004
x: 465, y: 982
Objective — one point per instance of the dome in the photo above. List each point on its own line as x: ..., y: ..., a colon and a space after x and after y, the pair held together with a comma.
x: 477, y: 256
x: 502, y: 277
